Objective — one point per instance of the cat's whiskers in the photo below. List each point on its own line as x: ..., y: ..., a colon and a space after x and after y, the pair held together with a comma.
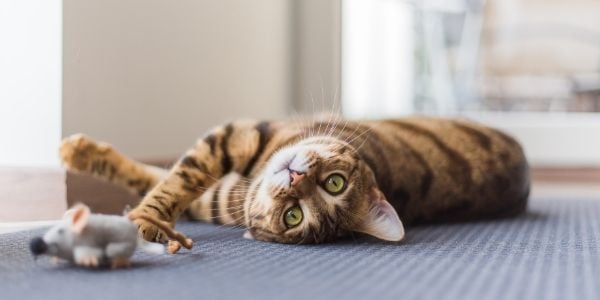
x: 335, y: 113
x: 352, y: 134
x: 233, y: 221
x: 333, y: 127
x: 298, y: 120
x: 238, y: 192
x: 226, y: 214
x: 237, y: 207
x: 240, y: 178
x: 335, y: 117
x: 344, y: 127
x: 368, y: 130
x: 311, y: 129
x: 361, y: 144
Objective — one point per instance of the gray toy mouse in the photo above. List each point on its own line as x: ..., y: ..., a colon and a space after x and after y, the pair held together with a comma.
x: 92, y: 240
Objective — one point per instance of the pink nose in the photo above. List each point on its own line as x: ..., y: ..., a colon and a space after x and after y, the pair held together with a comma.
x: 296, y: 177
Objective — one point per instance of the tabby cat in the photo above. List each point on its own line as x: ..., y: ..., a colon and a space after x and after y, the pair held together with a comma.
x: 311, y: 182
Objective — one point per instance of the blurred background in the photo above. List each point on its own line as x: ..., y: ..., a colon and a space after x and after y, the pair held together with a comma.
x: 151, y: 76
x: 530, y: 67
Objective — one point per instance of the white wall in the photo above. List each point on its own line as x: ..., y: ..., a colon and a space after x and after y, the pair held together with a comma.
x: 551, y: 139
x: 151, y: 76
x: 30, y: 82
x: 377, y: 58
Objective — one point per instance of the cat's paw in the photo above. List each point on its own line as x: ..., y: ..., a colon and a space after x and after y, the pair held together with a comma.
x: 78, y: 151
x: 150, y: 232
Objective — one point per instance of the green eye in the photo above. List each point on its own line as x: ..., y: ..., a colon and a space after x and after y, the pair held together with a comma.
x: 334, y: 184
x: 293, y: 216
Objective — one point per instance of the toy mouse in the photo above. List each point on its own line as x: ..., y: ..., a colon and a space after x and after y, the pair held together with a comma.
x: 92, y: 240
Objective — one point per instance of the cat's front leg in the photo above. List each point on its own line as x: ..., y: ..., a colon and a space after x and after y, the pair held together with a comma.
x: 229, y: 148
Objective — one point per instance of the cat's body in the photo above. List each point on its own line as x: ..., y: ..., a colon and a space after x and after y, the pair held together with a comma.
x: 299, y: 182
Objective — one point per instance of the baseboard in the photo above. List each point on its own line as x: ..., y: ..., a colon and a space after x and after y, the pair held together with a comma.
x: 99, y: 195
x: 32, y: 194
x: 566, y: 175
x: 8, y: 227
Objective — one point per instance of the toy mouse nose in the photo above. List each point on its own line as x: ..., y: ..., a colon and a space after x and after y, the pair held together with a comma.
x: 296, y: 177
x: 38, y: 246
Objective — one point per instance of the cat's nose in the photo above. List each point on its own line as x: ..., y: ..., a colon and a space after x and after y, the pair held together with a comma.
x: 296, y: 177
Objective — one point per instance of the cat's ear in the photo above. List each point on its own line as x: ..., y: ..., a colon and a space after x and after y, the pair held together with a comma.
x: 381, y: 221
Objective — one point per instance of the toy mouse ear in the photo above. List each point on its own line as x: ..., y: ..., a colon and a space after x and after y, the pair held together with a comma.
x: 69, y: 213
x: 381, y: 220
x: 79, y: 217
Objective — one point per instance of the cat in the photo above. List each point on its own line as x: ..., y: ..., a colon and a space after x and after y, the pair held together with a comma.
x: 314, y: 182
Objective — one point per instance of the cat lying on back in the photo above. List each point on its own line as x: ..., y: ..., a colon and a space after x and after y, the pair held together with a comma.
x: 310, y: 182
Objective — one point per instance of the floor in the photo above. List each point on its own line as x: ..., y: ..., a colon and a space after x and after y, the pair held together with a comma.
x: 551, y: 252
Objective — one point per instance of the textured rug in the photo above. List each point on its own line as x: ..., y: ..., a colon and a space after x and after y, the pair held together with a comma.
x: 549, y: 253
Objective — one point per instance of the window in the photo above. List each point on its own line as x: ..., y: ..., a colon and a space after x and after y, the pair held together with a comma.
x: 530, y: 67
x: 30, y: 82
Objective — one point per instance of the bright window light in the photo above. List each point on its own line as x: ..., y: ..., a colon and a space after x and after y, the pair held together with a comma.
x: 30, y: 82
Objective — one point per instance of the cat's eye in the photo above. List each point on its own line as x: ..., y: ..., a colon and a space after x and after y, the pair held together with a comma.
x: 334, y: 184
x: 293, y: 216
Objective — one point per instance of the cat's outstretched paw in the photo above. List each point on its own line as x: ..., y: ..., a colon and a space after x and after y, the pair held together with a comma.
x: 78, y: 152
x: 150, y: 232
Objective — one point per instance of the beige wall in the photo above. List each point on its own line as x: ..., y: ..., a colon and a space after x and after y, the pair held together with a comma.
x: 316, y: 55
x: 151, y: 76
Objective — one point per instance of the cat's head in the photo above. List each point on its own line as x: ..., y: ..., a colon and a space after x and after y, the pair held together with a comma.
x: 317, y: 190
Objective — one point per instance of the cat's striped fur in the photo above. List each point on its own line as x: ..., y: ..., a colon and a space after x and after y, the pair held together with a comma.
x: 428, y: 169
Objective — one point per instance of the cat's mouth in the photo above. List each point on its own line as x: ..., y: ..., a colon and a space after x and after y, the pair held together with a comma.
x: 290, y: 171
x: 290, y: 177
x: 293, y: 158
x: 281, y: 178
x: 289, y: 164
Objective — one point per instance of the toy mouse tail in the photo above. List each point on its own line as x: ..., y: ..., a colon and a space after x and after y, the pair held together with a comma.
x: 152, y: 248
x: 164, y: 226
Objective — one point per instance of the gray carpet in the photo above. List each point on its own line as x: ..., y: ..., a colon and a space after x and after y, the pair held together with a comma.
x: 549, y: 253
